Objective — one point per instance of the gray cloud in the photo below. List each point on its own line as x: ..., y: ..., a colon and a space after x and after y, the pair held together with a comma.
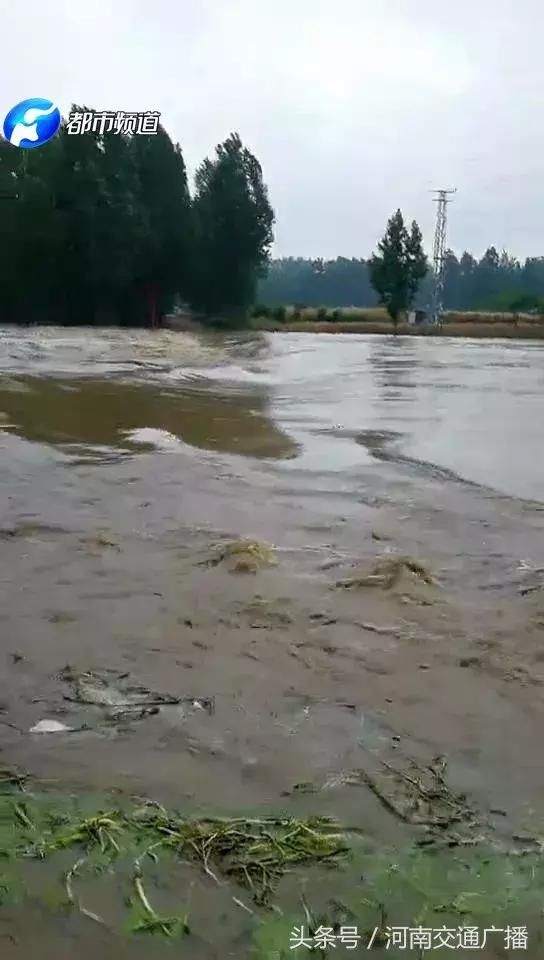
x: 353, y: 107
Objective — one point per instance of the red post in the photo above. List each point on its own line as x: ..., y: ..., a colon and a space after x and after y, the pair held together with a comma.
x: 152, y: 307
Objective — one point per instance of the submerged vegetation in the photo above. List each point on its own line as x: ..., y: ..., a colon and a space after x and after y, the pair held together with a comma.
x: 373, y: 886
x: 386, y: 572
x: 253, y: 853
x: 242, y: 556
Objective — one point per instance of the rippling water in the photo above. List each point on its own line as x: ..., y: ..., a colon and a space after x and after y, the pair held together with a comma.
x: 126, y: 455
x: 331, y: 403
x: 443, y: 435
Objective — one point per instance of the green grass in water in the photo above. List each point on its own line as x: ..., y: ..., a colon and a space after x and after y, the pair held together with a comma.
x: 274, y: 863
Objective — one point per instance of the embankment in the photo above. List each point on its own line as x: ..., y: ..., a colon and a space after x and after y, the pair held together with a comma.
x: 375, y: 322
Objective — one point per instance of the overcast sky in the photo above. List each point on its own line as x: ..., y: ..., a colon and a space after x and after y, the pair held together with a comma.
x: 353, y: 107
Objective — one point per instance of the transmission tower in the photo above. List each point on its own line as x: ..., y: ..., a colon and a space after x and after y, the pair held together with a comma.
x: 441, y: 199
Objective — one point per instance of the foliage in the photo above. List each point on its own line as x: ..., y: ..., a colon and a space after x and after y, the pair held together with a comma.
x: 516, y: 302
x: 233, y: 223
x: 470, y: 284
x: 340, y: 282
x: 253, y: 852
x: 162, y: 261
x: 398, y: 268
x: 100, y: 228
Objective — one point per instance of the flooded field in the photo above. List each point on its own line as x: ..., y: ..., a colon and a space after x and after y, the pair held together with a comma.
x: 273, y: 574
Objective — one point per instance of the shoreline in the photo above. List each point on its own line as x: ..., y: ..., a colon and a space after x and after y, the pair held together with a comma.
x: 485, y: 328
x: 481, y: 329
x: 490, y: 331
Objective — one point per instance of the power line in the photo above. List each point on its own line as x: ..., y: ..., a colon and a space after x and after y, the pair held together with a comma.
x: 439, y: 246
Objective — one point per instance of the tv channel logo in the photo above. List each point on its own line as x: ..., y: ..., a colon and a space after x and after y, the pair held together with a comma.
x: 31, y: 123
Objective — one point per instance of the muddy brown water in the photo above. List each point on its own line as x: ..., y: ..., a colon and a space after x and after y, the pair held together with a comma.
x: 126, y: 456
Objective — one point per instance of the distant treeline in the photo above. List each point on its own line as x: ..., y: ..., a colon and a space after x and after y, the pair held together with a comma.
x: 104, y: 229
x: 497, y: 281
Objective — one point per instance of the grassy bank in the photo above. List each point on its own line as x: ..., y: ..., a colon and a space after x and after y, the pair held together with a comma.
x: 374, y: 320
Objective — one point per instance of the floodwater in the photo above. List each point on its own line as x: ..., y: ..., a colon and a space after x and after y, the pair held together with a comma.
x: 126, y: 456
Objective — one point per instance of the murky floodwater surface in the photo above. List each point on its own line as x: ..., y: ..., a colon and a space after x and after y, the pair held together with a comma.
x: 469, y: 407
x: 127, y: 457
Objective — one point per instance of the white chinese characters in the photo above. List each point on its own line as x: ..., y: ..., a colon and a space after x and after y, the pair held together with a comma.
x: 408, y: 938
x: 109, y: 121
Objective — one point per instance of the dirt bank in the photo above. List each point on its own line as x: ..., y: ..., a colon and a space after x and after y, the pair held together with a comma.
x: 375, y: 322
x: 495, y: 330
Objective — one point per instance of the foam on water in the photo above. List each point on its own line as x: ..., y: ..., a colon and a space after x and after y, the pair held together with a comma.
x: 153, y: 437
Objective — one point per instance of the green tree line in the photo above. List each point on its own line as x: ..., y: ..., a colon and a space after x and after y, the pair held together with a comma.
x: 497, y: 281
x: 104, y: 229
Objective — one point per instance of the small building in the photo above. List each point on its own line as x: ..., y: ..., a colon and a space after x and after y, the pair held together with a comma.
x: 416, y: 318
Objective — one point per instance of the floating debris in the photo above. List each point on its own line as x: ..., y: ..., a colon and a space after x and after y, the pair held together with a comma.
x: 470, y: 662
x: 264, y: 614
x: 61, y: 616
x: 122, y: 700
x: 242, y: 556
x: 421, y: 797
x: 111, y: 689
x: 102, y: 538
x: 418, y: 795
x: 12, y: 779
x: 386, y: 573
x: 50, y: 726
x: 256, y: 852
x: 534, y: 582
x: 152, y: 922
x: 27, y: 530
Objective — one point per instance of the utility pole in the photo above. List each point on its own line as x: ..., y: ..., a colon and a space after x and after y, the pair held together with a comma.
x: 441, y: 199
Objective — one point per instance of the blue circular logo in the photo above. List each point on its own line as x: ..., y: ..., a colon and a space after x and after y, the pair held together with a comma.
x: 31, y: 123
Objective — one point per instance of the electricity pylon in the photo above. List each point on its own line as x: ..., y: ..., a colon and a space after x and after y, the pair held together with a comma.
x: 442, y: 199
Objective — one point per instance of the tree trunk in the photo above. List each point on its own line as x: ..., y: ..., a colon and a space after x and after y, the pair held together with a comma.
x: 152, y: 312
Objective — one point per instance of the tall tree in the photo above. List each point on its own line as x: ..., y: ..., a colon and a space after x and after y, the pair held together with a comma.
x: 397, y: 270
x: 468, y: 270
x: 80, y: 195
x: 29, y: 232
x: 233, y: 223
x: 533, y: 276
x: 161, y: 265
x: 100, y: 228
x: 452, y: 278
